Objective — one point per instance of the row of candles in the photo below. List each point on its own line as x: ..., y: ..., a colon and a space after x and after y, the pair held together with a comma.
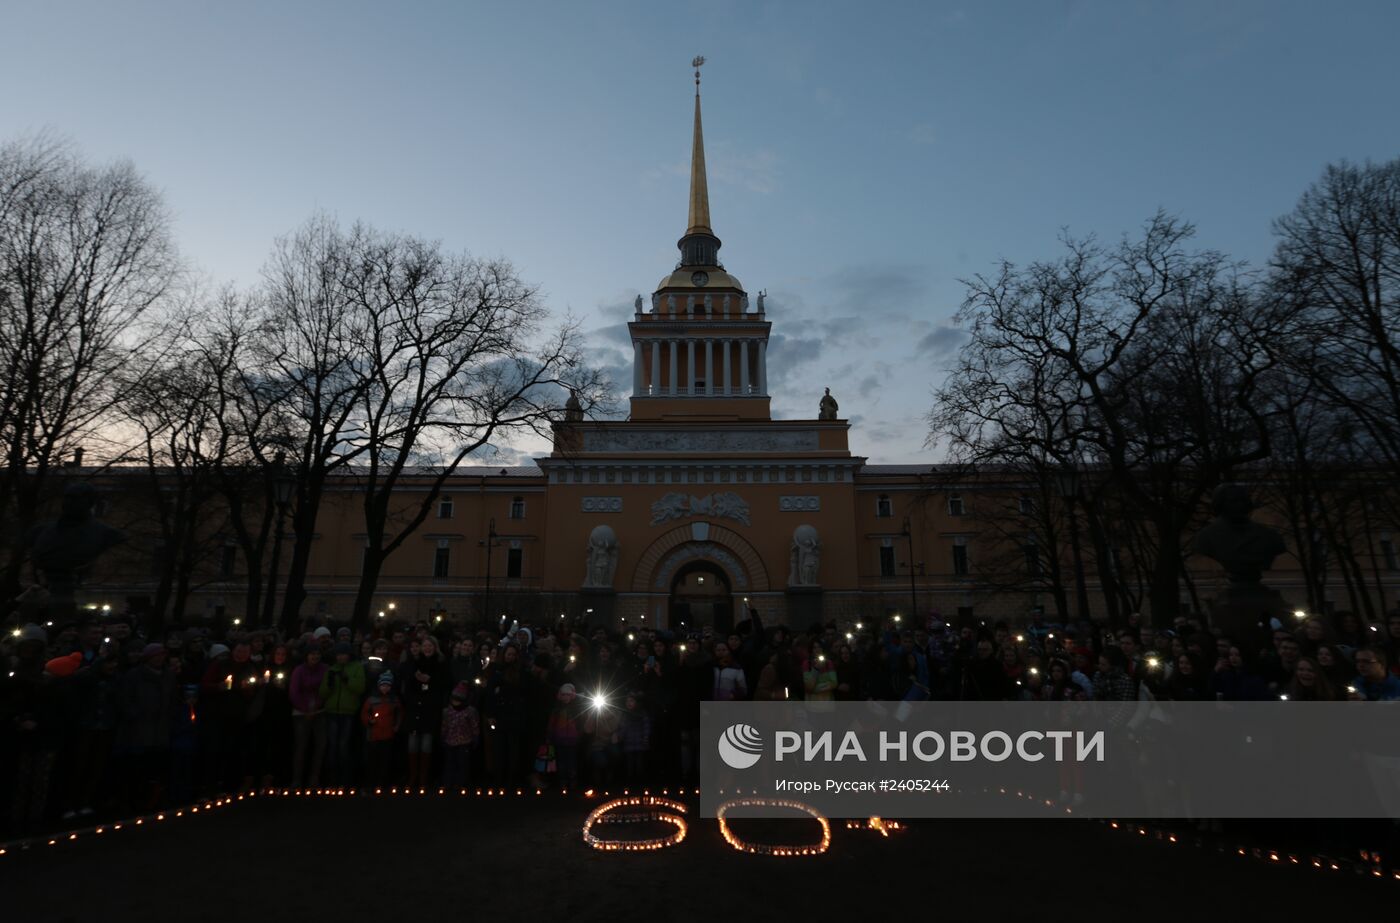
x: 1371, y: 862
x: 129, y: 824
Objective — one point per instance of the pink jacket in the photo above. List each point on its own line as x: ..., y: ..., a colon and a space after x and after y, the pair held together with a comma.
x: 305, y: 688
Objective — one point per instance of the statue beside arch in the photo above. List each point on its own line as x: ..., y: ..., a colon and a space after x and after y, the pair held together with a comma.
x: 602, y: 557
x: 804, y: 557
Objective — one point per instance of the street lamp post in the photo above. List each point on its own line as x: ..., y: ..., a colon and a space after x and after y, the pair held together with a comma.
x: 282, y: 486
x: 1069, y: 490
x: 489, y: 543
x: 913, y: 594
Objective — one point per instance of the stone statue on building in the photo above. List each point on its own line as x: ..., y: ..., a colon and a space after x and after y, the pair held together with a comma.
x: 804, y: 557
x: 573, y: 410
x: 602, y: 557
x: 761, y: 295
x: 828, y: 408
x: 1245, y: 549
x: 63, y: 549
x: 637, y: 305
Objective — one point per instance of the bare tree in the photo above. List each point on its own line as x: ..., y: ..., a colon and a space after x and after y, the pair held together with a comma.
x: 1142, y: 361
x: 85, y: 254
x: 1338, y: 258
x: 397, y: 360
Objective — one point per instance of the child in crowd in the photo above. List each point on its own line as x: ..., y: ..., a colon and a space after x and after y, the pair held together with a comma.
x: 382, y: 714
x: 461, y: 729
x: 635, y: 728
x: 562, y: 732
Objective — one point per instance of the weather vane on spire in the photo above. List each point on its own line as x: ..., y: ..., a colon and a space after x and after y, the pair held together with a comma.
x: 699, y: 60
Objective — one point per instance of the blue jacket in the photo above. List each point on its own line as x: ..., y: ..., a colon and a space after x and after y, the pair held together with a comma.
x: 1387, y: 690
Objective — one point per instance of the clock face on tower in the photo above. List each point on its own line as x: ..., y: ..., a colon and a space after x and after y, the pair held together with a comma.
x: 700, y: 278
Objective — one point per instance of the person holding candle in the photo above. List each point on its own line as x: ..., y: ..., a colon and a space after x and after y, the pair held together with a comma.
x: 342, y: 687
x: 1375, y: 682
x: 275, y: 724
x: 308, y: 721
x: 1310, y: 684
x: 819, y: 679
x: 382, y: 716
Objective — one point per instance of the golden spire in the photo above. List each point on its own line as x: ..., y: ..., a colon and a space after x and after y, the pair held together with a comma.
x: 699, y: 189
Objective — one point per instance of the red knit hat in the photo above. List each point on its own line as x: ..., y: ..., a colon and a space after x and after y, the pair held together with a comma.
x: 64, y: 666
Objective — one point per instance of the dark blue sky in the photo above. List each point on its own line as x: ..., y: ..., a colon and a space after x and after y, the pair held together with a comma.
x: 863, y: 158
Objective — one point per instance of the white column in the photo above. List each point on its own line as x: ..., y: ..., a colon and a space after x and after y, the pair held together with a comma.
x: 709, y: 366
x: 674, y: 370
x: 743, y: 366
x: 637, y: 379
x: 762, y: 366
x: 724, y: 345
x: 690, y: 365
x: 655, y: 367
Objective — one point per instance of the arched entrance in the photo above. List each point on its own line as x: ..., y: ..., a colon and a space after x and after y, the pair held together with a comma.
x: 701, y: 595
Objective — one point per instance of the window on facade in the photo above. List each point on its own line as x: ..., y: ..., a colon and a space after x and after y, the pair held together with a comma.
x: 445, y: 508
x: 955, y: 505
x: 887, y: 561
x: 883, y: 507
x: 517, y: 508
x: 514, y: 559
x: 441, y: 557
x: 227, y: 560
x: 1392, y: 561
x: 960, y: 560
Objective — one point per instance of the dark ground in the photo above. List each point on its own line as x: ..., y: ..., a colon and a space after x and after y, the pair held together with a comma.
x: 429, y: 858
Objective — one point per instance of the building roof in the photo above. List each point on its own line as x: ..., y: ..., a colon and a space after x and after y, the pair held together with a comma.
x: 899, y: 470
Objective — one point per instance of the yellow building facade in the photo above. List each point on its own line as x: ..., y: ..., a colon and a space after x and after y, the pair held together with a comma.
x: 697, y: 507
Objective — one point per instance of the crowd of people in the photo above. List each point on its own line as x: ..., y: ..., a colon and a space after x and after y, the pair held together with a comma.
x: 98, y: 719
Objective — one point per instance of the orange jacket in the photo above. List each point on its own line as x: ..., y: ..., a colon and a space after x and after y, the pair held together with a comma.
x: 381, y: 716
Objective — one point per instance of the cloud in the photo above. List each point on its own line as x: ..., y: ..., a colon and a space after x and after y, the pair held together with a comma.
x: 789, y: 358
x: 858, y: 287
x: 943, y: 341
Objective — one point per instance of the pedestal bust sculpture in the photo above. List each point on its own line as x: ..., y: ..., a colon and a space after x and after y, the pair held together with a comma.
x: 1245, y: 549
x: 64, y: 548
